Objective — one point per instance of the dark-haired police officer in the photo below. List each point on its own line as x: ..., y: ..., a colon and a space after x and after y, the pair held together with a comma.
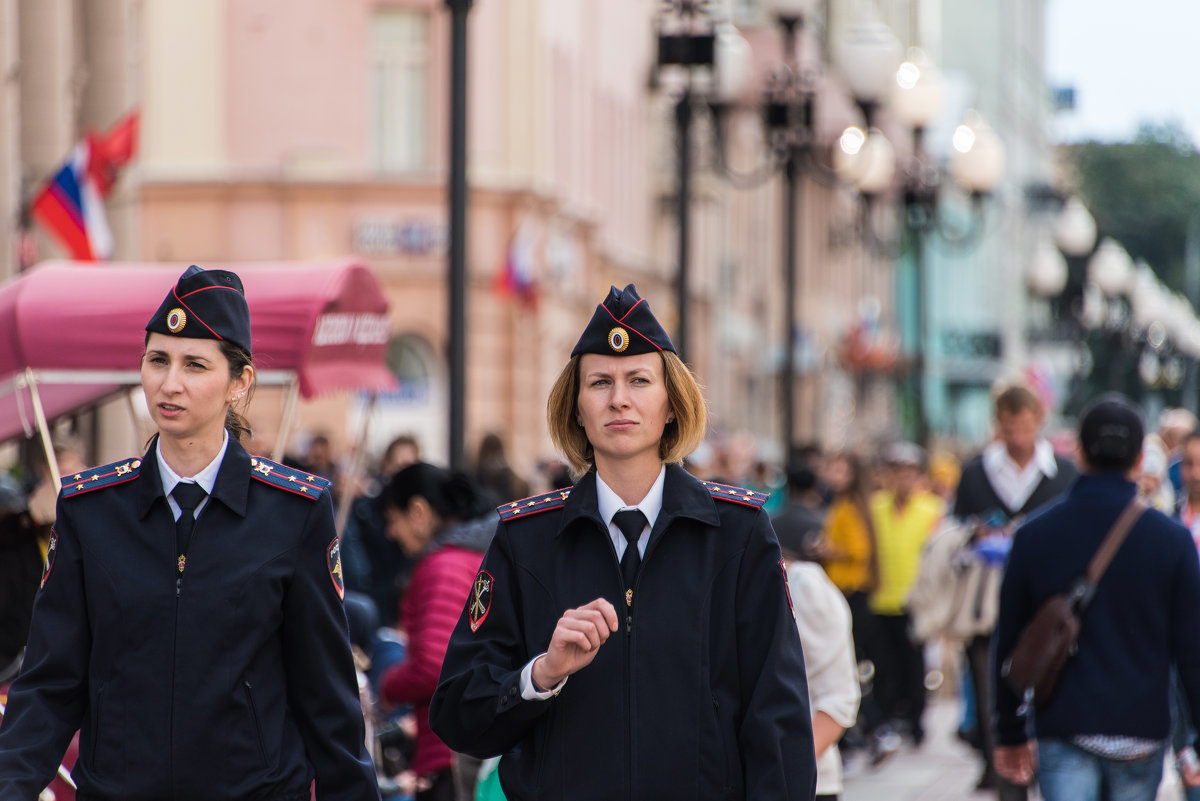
x: 631, y: 637
x: 202, y: 654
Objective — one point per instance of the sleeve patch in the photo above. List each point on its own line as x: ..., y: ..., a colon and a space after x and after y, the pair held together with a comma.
x: 334, y: 558
x: 51, y: 551
x: 481, y: 600
x: 288, y: 478
x: 746, y: 497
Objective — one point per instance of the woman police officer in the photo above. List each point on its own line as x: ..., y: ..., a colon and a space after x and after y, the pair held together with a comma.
x: 202, y: 654
x: 631, y: 637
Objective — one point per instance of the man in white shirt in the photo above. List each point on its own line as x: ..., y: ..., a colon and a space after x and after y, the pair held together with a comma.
x: 1016, y: 474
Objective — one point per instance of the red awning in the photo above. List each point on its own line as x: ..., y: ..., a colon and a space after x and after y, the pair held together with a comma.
x: 79, y: 328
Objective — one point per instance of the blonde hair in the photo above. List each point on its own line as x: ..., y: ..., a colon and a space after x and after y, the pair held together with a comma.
x: 678, y: 440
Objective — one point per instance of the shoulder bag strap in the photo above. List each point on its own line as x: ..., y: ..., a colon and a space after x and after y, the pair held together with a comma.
x: 1108, y: 549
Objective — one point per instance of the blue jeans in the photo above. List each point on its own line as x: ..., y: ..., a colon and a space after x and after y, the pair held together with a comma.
x: 1068, y: 773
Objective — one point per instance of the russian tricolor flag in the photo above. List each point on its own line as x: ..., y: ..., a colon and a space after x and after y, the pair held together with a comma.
x: 71, y: 208
x: 71, y: 205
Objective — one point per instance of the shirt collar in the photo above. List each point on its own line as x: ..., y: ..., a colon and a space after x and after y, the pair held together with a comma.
x: 610, y: 503
x: 206, y: 478
x: 996, y: 455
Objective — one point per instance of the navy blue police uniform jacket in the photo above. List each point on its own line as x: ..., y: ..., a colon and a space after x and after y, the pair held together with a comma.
x: 237, y: 683
x: 700, y: 693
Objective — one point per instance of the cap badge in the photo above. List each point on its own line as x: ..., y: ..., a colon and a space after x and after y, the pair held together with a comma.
x: 618, y: 339
x: 176, y: 320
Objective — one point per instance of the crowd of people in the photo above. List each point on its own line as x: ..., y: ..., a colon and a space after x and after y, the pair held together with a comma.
x: 484, y: 620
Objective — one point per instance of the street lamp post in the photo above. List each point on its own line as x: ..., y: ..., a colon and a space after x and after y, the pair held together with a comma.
x: 688, y: 44
x: 976, y: 166
x: 458, y: 228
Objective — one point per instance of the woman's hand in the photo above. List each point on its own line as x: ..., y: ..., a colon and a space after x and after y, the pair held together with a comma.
x: 576, y: 640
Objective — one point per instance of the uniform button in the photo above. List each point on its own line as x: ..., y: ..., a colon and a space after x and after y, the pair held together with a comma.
x: 504, y: 701
x: 512, y: 691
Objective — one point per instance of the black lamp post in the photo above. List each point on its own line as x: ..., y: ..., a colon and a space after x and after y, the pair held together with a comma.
x: 690, y: 44
x: 458, y: 228
x: 975, y: 168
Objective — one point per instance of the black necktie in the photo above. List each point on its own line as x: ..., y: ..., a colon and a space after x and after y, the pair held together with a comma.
x: 631, y: 522
x: 188, y: 496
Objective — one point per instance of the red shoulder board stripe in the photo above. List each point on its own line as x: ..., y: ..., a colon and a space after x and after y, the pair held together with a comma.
x: 97, y: 477
x: 288, y: 478
x: 533, y: 505
x: 740, y: 495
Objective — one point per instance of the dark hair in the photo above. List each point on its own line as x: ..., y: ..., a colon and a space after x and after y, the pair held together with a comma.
x: 452, y: 495
x: 1111, y: 433
x: 239, y: 359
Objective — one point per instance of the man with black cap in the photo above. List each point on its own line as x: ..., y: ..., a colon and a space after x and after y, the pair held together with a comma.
x: 631, y: 637
x: 189, y: 621
x: 1103, y: 733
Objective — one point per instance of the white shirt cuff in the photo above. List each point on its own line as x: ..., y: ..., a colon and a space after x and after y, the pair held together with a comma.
x: 531, y: 693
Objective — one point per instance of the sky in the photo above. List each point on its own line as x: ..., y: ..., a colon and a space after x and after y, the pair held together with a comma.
x: 1129, y: 63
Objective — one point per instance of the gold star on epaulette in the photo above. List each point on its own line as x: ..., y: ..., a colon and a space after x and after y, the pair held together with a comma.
x: 95, y: 476
x: 292, y: 478
x: 78, y: 476
x: 312, y: 478
x: 304, y: 489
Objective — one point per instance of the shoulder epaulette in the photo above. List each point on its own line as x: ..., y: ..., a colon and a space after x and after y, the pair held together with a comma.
x: 94, y: 478
x: 740, y: 495
x: 533, y: 504
x: 288, y: 478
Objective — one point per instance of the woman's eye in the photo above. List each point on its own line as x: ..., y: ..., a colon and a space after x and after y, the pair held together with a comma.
x: 600, y: 382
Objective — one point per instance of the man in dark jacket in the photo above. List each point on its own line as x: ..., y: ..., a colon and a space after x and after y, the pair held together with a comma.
x: 20, y: 572
x: 1015, y: 475
x: 1108, y: 722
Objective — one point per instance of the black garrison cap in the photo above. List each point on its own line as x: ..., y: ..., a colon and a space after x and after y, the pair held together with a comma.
x: 623, y: 325
x: 205, y: 304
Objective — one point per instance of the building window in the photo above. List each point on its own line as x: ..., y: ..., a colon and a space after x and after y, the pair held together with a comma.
x: 407, y: 362
x: 399, y: 86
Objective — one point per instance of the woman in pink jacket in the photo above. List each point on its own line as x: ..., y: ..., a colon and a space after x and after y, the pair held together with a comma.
x: 444, y: 522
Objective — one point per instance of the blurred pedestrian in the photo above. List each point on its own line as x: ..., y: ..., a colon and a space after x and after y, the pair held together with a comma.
x: 849, y: 552
x: 375, y: 565
x: 1015, y: 475
x: 189, y: 622
x: 1183, y: 727
x: 68, y: 453
x: 823, y: 620
x: 1103, y: 733
x: 801, y: 520
x: 695, y: 688
x: 1153, y: 485
x: 444, y: 523
x: 22, y: 559
x: 1174, y: 424
x: 904, y: 518
x: 494, y: 474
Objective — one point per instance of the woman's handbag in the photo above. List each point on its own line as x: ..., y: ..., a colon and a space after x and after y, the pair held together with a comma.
x: 1048, y: 641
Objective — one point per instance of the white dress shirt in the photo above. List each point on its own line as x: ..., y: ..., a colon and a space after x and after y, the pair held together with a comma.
x: 206, y: 478
x: 610, y: 503
x: 1013, y: 483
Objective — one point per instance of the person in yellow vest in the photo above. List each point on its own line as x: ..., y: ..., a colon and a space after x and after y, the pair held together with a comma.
x: 904, y: 516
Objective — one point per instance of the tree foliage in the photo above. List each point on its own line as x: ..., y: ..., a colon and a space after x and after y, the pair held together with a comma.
x: 1145, y: 194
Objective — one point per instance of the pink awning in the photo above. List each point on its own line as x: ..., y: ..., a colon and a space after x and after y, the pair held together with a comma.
x: 81, y: 327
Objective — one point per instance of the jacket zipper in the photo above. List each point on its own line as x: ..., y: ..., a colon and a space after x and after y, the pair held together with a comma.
x: 258, y: 730
x: 174, y: 655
